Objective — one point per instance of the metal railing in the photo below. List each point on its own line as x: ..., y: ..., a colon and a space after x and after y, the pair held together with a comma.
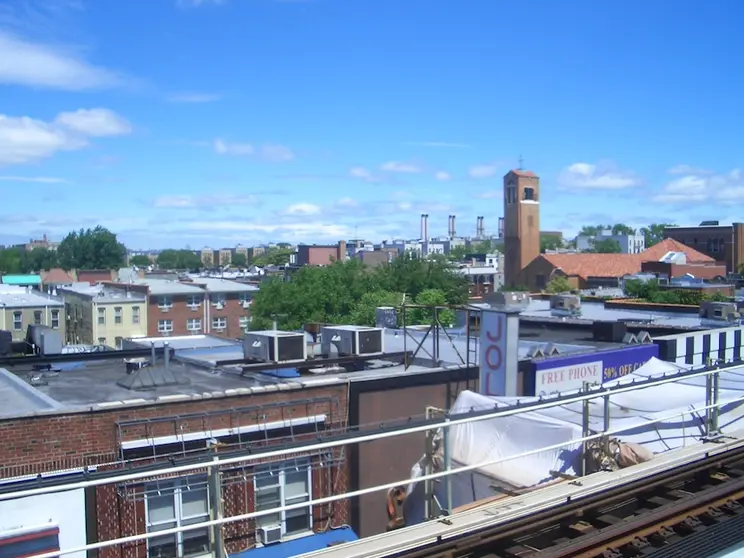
x: 711, y: 409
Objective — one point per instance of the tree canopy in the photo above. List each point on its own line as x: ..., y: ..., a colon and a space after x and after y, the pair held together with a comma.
x: 239, y: 260
x: 651, y: 291
x: 179, y: 259
x: 274, y: 256
x: 349, y: 293
x: 458, y: 253
x: 605, y: 246
x: 96, y: 248
x: 20, y: 260
x: 653, y: 233
x: 140, y: 260
x: 558, y: 284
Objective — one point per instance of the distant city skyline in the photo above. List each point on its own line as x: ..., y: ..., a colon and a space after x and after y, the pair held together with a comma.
x: 252, y: 122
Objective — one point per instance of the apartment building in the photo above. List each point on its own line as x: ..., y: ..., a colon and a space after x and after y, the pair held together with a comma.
x: 102, y: 315
x: 22, y: 306
x: 202, y: 305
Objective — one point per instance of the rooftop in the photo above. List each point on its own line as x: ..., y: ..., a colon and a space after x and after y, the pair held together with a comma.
x: 103, y: 294
x: 22, y: 297
x: 220, y: 285
x: 29, y: 279
x: 159, y: 287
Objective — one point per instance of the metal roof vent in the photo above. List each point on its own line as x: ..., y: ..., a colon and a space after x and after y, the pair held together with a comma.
x: 643, y: 337
x: 630, y: 339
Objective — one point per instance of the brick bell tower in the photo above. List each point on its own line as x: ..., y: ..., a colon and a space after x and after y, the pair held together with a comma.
x: 521, y: 223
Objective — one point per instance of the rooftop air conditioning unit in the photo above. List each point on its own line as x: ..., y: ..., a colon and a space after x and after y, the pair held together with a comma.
x: 270, y: 534
x: 275, y: 346
x: 353, y: 340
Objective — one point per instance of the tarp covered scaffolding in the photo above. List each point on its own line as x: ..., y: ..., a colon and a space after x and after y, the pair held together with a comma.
x: 681, y: 405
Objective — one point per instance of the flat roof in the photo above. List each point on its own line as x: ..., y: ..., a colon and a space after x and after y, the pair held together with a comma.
x: 219, y: 285
x: 12, y: 296
x: 163, y: 287
x: 103, y: 294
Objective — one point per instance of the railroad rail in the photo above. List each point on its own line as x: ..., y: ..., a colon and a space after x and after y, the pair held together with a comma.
x: 650, y: 517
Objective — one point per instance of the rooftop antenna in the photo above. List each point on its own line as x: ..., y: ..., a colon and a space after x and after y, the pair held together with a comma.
x: 521, y: 163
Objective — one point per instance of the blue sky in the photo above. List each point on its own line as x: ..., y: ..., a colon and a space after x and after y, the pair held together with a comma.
x: 218, y: 122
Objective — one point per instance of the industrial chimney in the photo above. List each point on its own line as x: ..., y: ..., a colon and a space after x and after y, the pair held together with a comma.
x: 423, y: 227
x: 453, y: 234
x: 426, y: 227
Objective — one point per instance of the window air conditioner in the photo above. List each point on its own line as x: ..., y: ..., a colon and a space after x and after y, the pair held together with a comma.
x: 353, y: 340
x: 270, y: 534
x: 219, y: 306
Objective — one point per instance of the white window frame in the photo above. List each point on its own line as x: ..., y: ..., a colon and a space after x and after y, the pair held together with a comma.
x: 219, y: 322
x: 178, y: 486
x: 38, y: 317
x: 165, y: 326
x: 279, y: 471
x: 135, y: 314
x: 55, y: 319
x: 118, y: 315
x: 194, y: 301
x: 192, y: 321
x: 244, y: 322
x: 219, y: 298
x: 165, y: 302
x: 101, y: 320
x: 18, y: 321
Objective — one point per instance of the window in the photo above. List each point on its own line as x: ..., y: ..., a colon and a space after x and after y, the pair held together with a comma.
x: 177, y: 503
x: 165, y: 302
x: 193, y: 301
x: 17, y: 321
x: 55, y: 318
x: 219, y: 299
x: 219, y: 323
x: 135, y: 314
x: 284, y: 484
x: 101, y: 340
x: 244, y: 322
x: 528, y: 194
x: 101, y: 316
x: 165, y: 326
x: 244, y: 299
x: 118, y: 342
x: 193, y: 324
x: 117, y: 315
x: 37, y: 317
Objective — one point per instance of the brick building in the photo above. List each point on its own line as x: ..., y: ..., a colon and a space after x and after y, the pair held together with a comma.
x: 200, y: 305
x: 316, y: 254
x: 585, y: 271
x: 61, y: 427
x: 723, y: 243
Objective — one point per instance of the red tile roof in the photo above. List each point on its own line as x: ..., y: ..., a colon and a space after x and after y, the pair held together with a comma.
x: 520, y: 172
x: 617, y: 265
x: 56, y: 276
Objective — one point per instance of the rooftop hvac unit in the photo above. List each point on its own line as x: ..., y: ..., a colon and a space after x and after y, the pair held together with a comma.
x: 275, y: 346
x: 270, y: 534
x: 353, y: 340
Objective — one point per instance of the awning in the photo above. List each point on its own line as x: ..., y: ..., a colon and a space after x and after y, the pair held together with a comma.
x: 300, y: 546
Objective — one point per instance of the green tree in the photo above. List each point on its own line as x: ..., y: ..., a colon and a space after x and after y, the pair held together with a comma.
x: 239, y: 259
x: 459, y: 253
x: 13, y: 260
x: 179, y: 259
x: 349, y: 292
x: 550, y: 242
x: 431, y: 298
x: 654, y: 233
x: 274, y: 256
x: 558, y: 284
x: 140, y: 260
x: 605, y: 246
x: 592, y: 230
x: 96, y: 248
x: 620, y: 229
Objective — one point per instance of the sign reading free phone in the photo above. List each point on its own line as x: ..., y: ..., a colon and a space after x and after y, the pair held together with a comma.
x: 568, y: 373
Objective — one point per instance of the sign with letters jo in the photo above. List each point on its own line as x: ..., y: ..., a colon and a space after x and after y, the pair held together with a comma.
x: 493, y: 353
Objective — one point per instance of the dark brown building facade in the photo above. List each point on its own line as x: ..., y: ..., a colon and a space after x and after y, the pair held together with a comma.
x: 723, y: 243
x: 316, y: 254
x: 521, y: 223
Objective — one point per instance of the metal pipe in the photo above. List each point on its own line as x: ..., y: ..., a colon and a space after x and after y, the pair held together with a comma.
x: 447, y: 464
x: 585, y: 418
x: 166, y: 355
x: 215, y: 497
x: 153, y: 356
x: 337, y: 497
x: 469, y: 418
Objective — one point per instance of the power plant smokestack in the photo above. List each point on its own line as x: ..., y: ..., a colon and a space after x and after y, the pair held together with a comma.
x: 479, y: 228
x: 451, y: 231
x: 426, y: 227
x: 423, y: 226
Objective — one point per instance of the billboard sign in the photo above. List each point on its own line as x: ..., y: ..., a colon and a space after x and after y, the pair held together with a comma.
x: 492, y: 353
x: 570, y: 372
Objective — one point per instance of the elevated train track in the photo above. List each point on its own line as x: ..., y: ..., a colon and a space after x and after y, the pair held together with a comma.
x: 667, y: 514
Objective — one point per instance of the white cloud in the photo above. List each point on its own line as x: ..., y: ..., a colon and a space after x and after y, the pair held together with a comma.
x: 24, y: 139
x: 272, y: 153
x: 687, y: 169
x: 482, y: 171
x: 581, y: 176
x: 204, y: 202
x: 34, y: 179
x: 346, y: 203
x: 276, y: 153
x: 38, y: 65
x: 96, y: 123
x: 363, y: 174
x: 700, y: 185
x: 442, y: 176
x: 194, y: 98
x: 397, y: 166
x: 302, y: 209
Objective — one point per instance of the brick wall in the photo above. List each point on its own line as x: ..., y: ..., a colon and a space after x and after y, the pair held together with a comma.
x: 180, y: 313
x: 46, y: 443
